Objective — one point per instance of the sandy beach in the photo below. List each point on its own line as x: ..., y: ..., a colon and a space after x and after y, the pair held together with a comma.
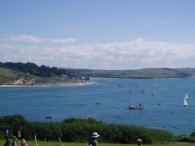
x: 47, y: 85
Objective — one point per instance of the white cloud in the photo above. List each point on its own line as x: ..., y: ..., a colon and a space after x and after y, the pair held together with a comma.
x: 138, y: 53
x: 62, y: 40
x: 33, y: 39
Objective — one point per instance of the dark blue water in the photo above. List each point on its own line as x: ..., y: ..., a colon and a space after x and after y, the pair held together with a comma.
x: 108, y: 102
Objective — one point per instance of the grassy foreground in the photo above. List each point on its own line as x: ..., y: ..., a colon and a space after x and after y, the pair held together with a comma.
x: 42, y: 143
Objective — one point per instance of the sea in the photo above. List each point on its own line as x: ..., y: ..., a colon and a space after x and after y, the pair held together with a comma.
x: 108, y: 100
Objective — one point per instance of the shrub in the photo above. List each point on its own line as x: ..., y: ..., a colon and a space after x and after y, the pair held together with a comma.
x: 185, y: 138
x: 80, y: 130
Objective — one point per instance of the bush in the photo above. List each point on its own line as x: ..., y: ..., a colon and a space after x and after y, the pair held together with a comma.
x: 193, y: 133
x: 80, y: 130
x: 185, y: 138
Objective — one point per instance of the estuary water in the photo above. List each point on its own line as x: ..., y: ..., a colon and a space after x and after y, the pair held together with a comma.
x: 108, y: 101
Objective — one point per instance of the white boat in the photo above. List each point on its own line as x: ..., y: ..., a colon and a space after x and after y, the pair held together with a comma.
x: 185, y: 100
x: 140, y: 106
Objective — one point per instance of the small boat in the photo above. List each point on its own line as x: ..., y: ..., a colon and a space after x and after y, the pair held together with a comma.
x: 185, y: 100
x: 50, y: 117
x: 140, y: 106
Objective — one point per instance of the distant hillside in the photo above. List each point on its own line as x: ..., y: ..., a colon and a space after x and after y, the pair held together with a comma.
x: 32, y: 74
x: 53, y: 74
x: 145, y: 73
x: 12, y: 77
x: 190, y: 71
x: 9, y: 76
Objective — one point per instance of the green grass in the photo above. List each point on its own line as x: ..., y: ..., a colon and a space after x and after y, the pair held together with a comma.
x: 8, y: 75
x: 11, y: 73
x: 42, y: 143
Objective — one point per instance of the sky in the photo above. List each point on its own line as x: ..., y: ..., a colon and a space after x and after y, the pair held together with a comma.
x: 98, y: 34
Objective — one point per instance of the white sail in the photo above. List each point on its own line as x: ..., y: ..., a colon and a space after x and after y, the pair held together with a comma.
x: 185, y: 100
x: 186, y: 96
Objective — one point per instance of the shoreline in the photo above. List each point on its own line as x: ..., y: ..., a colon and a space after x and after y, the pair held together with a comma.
x: 48, y: 85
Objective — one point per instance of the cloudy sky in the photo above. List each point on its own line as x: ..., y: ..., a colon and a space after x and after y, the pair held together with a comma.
x: 98, y: 34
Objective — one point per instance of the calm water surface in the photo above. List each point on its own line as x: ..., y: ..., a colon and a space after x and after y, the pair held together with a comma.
x: 108, y: 101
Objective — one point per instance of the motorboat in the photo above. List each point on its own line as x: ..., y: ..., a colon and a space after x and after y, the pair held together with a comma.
x: 140, y: 106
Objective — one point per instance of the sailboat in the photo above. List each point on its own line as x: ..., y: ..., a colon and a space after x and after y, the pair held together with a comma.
x: 185, y: 100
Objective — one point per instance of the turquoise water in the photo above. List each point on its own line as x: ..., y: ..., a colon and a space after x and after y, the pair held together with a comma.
x: 108, y: 102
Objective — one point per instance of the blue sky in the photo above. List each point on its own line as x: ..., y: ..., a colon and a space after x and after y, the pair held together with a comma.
x: 98, y: 34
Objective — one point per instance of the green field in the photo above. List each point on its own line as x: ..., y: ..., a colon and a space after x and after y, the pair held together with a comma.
x: 42, y: 143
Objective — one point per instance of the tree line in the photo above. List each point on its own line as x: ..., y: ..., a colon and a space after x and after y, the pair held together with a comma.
x: 31, y: 68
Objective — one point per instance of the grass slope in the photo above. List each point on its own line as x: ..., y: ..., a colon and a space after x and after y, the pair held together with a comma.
x: 8, y: 76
